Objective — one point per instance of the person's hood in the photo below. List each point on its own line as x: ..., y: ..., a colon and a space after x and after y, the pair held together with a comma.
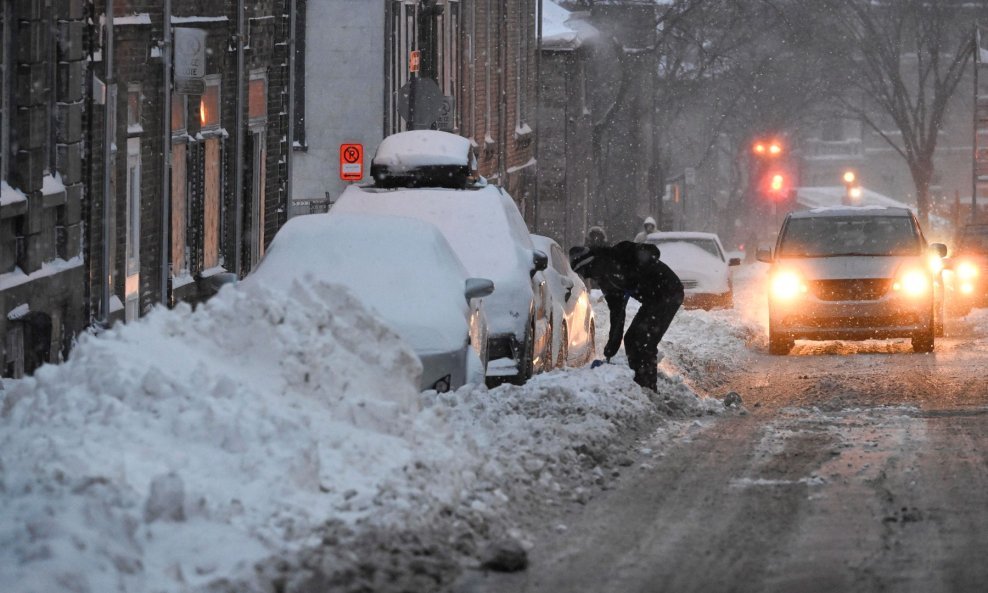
x: 650, y: 221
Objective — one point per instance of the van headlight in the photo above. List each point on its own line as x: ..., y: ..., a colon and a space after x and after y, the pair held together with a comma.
x: 913, y: 283
x: 966, y: 271
x: 788, y: 285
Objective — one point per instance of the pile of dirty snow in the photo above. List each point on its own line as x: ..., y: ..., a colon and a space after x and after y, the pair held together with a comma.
x: 181, y: 449
x: 277, y: 441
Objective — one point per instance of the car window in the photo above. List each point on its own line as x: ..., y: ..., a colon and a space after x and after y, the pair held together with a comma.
x: 850, y: 235
x: 708, y: 245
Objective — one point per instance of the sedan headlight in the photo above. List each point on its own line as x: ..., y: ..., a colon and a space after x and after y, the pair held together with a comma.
x: 788, y: 285
x: 913, y: 283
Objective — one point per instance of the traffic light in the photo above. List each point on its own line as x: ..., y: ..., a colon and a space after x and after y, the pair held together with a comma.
x: 777, y: 183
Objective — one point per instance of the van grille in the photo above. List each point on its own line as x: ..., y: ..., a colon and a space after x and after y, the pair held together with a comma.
x: 865, y: 289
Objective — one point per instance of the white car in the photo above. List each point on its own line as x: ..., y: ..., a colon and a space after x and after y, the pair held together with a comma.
x: 699, y: 261
x: 430, y: 176
x: 405, y: 272
x: 572, y: 320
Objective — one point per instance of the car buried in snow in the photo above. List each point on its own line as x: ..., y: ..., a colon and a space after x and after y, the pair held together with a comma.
x: 699, y: 261
x: 405, y: 272
x: 572, y: 320
x: 853, y: 273
x: 432, y: 176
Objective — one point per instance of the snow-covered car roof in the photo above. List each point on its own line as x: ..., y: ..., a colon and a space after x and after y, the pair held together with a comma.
x: 475, y: 223
x: 543, y: 243
x: 422, y: 148
x: 683, y: 235
x: 403, y: 269
x: 850, y: 211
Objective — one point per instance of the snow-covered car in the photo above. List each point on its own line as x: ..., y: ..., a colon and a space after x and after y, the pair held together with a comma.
x: 572, y: 319
x: 699, y: 261
x: 403, y: 270
x: 431, y: 176
x: 853, y: 273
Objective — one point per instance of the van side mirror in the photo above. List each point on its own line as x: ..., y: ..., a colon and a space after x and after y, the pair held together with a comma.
x: 734, y: 261
x: 764, y: 255
x: 477, y: 288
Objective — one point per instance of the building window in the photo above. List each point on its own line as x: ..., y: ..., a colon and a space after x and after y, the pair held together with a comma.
x: 488, y: 66
x: 133, y: 244
x: 403, y: 41
x: 51, y: 26
x: 180, y: 114
x: 257, y: 98
x: 180, y: 219
x: 209, y: 104
x: 211, y: 205
x: 134, y: 109
x: 257, y: 109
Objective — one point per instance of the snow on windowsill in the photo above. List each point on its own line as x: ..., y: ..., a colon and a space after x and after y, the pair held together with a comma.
x: 142, y: 18
x: 116, y: 304
x: 18, y: 312
x: 531, y: 163
x: 133, y: 129
x: 181, y: 20
x: 9, y: 195
x: 183, y: 278
x: 56, y: 266
x: 213, y: 271
x: 52, y: 185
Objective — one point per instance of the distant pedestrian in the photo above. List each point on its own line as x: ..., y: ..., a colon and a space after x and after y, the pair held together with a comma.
x: 628, y: 270
x: 648, y: 228
x: 596, y: 237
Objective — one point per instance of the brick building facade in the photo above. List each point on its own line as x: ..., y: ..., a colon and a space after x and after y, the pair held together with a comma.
x: 484, y: 55
x: 96, y: 224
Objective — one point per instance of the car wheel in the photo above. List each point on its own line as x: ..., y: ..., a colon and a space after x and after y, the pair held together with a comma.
x: 563, y: 353
x: 779, y: 344
x: 526, y: 366
x: 592, y: 349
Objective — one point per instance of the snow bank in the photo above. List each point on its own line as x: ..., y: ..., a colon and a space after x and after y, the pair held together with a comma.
x: 174, y: 451
x: 280, y: 438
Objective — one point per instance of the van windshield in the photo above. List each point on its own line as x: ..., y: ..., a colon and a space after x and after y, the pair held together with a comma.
x: 850, y: 236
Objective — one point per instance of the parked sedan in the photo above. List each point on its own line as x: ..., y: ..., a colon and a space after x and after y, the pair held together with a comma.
x: 405, y: 272
x: 572, y: 320
x: 698, y: 259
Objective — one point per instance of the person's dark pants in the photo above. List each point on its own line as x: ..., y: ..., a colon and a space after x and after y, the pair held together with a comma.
x: 641, y: 342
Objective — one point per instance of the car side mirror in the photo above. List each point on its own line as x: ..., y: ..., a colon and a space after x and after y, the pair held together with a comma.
x: 540, y: 261
x: 568, y: 284
x: 939, y: 248
x: 764, y: 255
x: 477, y: 288
x: 734, y: 261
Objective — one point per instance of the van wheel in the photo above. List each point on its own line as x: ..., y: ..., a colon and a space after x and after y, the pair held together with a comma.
x: 924, y: 342
x: 779, y: 344
x: 526, y: 366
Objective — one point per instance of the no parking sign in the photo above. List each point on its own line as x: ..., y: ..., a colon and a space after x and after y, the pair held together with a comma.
x: 351, y: 162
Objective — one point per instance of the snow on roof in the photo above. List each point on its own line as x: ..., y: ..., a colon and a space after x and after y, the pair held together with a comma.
x: 179, y: 20
x: 827, y: 196
x: 421, y: 148
x: 561, y: 30
x: 850, y: 211
x: 683, y: 235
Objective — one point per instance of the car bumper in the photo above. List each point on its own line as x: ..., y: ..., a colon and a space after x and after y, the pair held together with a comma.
x: 706, y: 300
x: 889, y: 317
x: 444, y: 371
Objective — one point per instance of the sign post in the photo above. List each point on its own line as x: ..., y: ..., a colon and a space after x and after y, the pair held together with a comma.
x: 351, y: 162
x: 190, y: 61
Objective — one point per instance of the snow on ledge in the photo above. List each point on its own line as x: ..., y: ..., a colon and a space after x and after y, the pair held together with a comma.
x: 18, y: 312
x: 18, y: 277
x: 52, y: 185
x: 141, y: 18
x: 9, y: 195
x: 180, y: 20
